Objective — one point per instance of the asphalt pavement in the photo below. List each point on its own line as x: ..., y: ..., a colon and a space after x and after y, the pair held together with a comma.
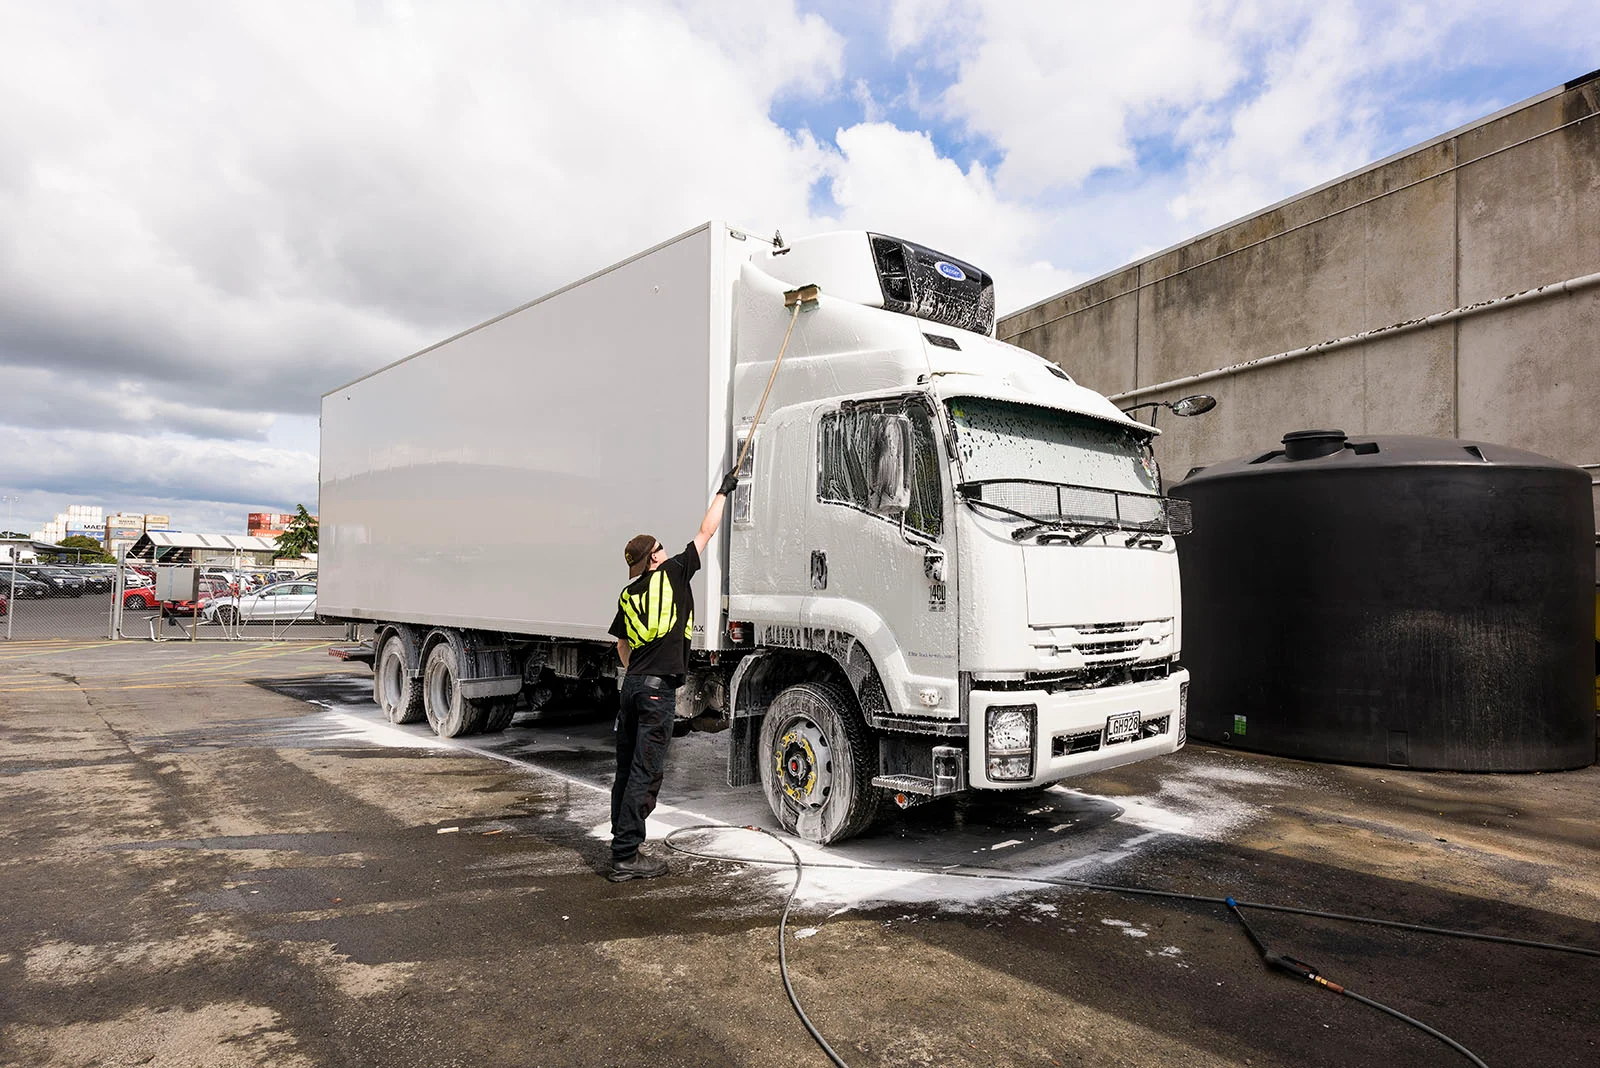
x: 223, y: 855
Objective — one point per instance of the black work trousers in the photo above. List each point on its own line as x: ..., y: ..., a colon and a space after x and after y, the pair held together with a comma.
x: 644, y: 731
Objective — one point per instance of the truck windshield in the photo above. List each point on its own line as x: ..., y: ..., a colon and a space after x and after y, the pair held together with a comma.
x: 998, y: 440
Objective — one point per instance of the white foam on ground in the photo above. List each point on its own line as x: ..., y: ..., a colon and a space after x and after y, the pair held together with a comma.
x: 1193, y: 802
x: 349, y: 728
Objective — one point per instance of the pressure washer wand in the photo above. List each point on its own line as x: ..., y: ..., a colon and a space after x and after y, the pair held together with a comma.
x: 798, y: 299
x: 1292, y: 965
x: 1309, y: 972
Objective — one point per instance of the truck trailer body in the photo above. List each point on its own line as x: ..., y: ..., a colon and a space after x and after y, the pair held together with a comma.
x: 946, y: 566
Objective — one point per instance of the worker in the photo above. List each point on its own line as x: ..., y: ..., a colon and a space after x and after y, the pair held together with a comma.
x: 653, y: 625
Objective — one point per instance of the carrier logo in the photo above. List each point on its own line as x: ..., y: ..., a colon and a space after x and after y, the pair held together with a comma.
x: 950, y: 271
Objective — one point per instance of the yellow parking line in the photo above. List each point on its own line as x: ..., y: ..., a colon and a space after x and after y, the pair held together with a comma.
x: 34, y: 648
x: 227, y: 655
x: 233, y: 662
x: 192, y: 683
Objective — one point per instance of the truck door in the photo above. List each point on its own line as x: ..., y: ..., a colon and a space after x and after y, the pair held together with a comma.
x: 883, y: 548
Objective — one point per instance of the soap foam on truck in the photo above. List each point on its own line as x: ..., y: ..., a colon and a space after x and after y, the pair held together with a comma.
x: 947, y: 566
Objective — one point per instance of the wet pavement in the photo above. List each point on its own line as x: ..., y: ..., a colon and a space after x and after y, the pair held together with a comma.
x: 226, y: 856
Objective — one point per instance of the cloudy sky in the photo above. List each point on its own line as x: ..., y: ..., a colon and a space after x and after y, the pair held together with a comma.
x: 213, y: 212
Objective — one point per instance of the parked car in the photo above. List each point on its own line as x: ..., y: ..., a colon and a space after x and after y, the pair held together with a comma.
x: 23, y: 586
x: 61, y: 583
x: 238, y: 582
x: 139, y: 597
x: 283, y: 601
x: 210, y: 589
x: 94, y: 579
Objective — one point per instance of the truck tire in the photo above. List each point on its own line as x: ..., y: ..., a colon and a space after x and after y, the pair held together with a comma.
x: 817, y: 764
x: 393, y: 688
x: 449, y: 714
x: 498, y: 713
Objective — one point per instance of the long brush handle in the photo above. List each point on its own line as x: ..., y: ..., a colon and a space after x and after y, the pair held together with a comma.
x: 762, y: 407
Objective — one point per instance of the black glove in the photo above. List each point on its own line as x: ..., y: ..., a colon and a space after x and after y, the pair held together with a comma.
x: 729, y: 481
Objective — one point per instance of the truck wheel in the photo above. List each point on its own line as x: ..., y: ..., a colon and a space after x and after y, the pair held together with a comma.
x: 393, y: 688
x: 449, y: 714
x: 817, y: 764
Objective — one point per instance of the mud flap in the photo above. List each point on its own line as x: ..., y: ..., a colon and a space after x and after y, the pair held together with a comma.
x: 744, y: 741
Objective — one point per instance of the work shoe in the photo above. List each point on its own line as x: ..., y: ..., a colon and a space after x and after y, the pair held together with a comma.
x: 638, y: 866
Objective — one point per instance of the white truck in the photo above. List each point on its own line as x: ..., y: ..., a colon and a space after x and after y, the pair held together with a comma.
x: 946, y: 566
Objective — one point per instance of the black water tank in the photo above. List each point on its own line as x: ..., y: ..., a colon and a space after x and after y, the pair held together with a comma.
x: 1421, y: 602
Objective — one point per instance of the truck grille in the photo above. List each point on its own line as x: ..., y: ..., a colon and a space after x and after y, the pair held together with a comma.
x: 1108, y: 648
x: 1111, y: 628
x: 1121, y: 639
x: 1097, y: 677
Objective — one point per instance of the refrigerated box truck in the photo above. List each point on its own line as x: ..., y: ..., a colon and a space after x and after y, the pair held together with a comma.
x: 947, y: 566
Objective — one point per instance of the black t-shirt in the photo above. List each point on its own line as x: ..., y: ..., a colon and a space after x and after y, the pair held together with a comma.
x: 667, y: 655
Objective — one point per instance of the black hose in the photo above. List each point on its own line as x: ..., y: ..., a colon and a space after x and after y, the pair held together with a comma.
x: 1288, y: 964
x: 783, y: 925
x: 1397, y: 1014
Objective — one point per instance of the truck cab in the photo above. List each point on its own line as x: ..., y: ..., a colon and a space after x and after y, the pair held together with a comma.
x: 949, y: 565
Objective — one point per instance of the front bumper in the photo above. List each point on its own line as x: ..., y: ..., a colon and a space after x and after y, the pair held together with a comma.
x: 1070, y: 729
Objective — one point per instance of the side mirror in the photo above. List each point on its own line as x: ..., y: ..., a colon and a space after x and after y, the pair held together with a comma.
x: 889, y: 465
x: 1199, y: 404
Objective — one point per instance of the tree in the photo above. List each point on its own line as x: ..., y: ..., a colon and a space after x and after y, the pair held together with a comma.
x: 86, y: 547
x: 300, y: 536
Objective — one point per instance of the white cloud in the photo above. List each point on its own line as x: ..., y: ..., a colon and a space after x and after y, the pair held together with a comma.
x: 52, y: 401
x: 1304, y: 127
x: 893, y: 181
x: 89, y: 466
x: 916, y: 22
x: 1062, y: 89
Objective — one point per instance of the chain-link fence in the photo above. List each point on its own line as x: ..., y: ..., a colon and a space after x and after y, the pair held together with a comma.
x: 47, y: 600
x: 171, y: 587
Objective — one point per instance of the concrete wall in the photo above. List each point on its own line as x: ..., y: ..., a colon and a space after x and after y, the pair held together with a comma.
x: 1503, y: 205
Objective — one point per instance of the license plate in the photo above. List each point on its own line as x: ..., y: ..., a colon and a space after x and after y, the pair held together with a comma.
x: 1122, y: 726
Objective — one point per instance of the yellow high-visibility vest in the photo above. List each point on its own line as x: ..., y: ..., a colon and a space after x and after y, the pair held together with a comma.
x: 653, y: 613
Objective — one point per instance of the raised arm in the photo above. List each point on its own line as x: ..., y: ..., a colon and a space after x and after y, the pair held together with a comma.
x: 713, y: 519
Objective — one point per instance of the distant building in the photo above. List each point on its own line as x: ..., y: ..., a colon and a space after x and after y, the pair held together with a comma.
x: 268, y: 524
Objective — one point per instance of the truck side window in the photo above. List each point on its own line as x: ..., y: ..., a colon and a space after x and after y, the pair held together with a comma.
x: 843, y: 447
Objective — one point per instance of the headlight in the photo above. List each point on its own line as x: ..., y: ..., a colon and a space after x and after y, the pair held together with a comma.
x: 1009, y: 741
x: 1011, y: 728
